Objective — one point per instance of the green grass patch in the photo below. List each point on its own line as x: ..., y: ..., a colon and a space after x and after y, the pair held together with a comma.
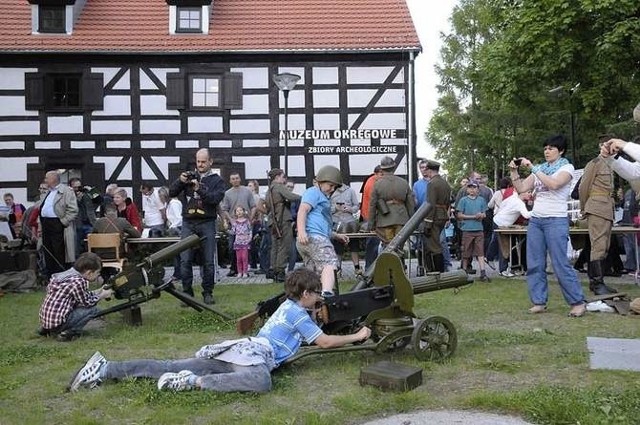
x: 507, y: 361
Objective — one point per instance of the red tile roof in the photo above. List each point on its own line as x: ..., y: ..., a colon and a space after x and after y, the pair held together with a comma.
x: 142, y: 26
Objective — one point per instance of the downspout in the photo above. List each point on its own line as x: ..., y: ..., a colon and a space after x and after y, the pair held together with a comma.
x: 411, y: 143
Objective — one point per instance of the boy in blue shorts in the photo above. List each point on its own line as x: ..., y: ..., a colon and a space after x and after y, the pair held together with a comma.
x: 315, y: 224
x: 236, y: 365
x: 470, y: 211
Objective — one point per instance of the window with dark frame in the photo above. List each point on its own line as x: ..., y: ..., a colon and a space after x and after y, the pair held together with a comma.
x: 189, y: 19
x: 64, y: 91
x: 205, y: 91
x: 51, y: 19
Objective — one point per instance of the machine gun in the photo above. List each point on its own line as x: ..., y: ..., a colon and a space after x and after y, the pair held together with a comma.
x: 144, y: 281
x: 384, y: 302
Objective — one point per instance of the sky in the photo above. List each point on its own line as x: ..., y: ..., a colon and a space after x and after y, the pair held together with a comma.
x: 430, y: 18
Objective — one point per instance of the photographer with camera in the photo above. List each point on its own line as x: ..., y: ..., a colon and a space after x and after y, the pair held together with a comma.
x: 278, y: 202
x: 200, y: 193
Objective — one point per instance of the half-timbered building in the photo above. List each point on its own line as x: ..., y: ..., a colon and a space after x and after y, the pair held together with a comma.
x: 127, y: 91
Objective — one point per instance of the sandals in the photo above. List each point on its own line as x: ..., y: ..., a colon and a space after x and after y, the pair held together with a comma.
x: 578, y: 310
x: 537, y: 309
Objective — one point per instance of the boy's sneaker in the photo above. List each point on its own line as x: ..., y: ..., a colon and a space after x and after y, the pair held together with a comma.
x: 507, y: 273
x: 327, y: 294
x: 484, y: 277
x: 89, y: 375
x: 176, y: 381
x: 66, y: 336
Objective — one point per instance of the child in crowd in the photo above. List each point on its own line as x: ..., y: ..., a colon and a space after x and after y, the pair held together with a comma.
x: 241, y: 228
x: 471, y: 211
x: 237, y: 365
x: 69, y: 304
x: 315, y: 228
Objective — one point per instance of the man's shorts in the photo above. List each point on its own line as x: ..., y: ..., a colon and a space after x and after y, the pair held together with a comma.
x: 318, y: 253
x: 472, y: 244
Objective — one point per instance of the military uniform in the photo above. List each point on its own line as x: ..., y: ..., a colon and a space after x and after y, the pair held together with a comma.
x: 391, y: 206
x: 439, y: 196
x: 278, y: 204
x: 597, y: 205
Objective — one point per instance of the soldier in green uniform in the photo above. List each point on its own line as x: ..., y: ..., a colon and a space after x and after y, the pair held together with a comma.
x: 597, y: 206
x: 278, y: 204
x: 439, y: 196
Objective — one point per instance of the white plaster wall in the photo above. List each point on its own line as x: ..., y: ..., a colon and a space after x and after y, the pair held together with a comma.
x: 111, y: 127
x: 325, y: 75
x: 326, y: 122
x: 109, y: 73
x: 65, y: 125
x: 367, y: 74
x: 162, y: 162
x: 359, y: 98
x: 83, y: 144
x: 47, y: 145
x: 253, y: 104
x: 152, y: 144
x: 322, y: 160
x: 12, y: 145
x: 187, y: 144
x: 381, y: 121
x: 254, y: 78
x: 326, y: 98
x: 161, y: 73
x: 110, y: 164
x: 220, y: 143
x: 391, y: 97
x: 13, y: 170
x: 118, y: 144
x: 13, y: 78
x: 159, y: 127
x: 19, y: 128
x: 114, y: 105
x: 296, y: 165
x: 155, y: 105
x: 296, y: 122
x: 204, y: 124
x: 14, y: 106
x: 256, y: 167
x: 296, y: 99
x: 249, y: 126
x: 251, y: 143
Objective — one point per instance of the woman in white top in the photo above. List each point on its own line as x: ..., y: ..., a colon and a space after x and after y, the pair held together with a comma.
x: 548, y: 229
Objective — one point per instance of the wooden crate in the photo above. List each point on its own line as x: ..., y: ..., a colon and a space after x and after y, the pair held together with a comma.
x: 389, y: 376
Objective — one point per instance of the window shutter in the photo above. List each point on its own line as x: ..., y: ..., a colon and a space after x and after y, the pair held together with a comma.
x: 93, y: 92
x: 175, y: 92
x: 34, y: 91
x: 232, y: 84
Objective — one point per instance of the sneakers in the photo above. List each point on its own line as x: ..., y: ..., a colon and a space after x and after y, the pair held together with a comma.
x: 177, y: 381
x: 327, y: 294
x: 507, y: 273
x: 89, y: 375
x: 66, y: 336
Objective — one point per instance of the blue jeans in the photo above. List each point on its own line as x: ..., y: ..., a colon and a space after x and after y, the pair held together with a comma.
x: 630, y: 250
x: 215, y: 375
x: 371, y: 251
x: 550, y: 234
x: 78, y: 318
x: 202, y: 228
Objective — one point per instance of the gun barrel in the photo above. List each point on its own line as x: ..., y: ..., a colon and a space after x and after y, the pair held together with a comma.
x: 170, y: 251
x: 438, y: 281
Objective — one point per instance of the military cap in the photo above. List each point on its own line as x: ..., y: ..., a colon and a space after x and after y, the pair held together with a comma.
x: 387, y: 162
x: 433, y: 165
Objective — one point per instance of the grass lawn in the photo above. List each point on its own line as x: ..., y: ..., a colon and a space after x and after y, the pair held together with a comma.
x: 507, y: 361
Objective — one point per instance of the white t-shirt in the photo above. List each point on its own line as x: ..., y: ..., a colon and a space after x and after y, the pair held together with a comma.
x: 510, y: 209
x: 151, y: 205
x: 174, y: 214
x: 552, y: 203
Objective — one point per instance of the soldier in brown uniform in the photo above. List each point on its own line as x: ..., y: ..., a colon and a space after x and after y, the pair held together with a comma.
x: 597, y: 206
x: 439, y: 196
x: 278, y: 204
x: 391, y: 204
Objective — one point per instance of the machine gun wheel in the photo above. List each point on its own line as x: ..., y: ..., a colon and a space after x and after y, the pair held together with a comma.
x: 434, y: 338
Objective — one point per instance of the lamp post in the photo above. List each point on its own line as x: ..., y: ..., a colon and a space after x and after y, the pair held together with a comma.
x: 286, y: 82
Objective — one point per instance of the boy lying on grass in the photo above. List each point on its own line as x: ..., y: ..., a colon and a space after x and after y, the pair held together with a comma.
x: 235, y: 365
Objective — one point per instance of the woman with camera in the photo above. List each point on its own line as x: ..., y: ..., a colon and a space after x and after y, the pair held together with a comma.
x: 548, y: 229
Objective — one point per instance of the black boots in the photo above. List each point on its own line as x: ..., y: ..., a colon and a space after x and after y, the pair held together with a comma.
x: 596, y: 279
x: 438, y: 262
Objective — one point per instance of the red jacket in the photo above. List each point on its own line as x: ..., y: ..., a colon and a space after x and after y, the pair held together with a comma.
x: 131, y: 214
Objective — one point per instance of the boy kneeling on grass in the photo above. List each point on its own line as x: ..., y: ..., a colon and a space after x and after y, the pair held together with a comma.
x: 236, y: 365
x: 69, y: 304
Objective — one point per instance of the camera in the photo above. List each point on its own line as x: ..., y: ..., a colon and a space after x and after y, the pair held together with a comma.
x: 191, y: 175
x: 517, y: 161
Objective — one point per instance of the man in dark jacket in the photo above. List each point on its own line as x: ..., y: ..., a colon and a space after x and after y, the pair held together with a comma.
x: 200, y: 193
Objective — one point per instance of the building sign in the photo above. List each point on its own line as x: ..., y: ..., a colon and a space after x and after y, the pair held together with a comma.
x: 339, y: 134
x: 352, y: 149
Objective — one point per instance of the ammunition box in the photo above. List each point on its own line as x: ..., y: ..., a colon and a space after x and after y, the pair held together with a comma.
x: 389, y: 376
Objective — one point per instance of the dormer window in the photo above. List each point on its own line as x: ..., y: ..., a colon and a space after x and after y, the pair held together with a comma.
x: 189, y: 19
x: 189, y: 16
x: 51, y: 19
